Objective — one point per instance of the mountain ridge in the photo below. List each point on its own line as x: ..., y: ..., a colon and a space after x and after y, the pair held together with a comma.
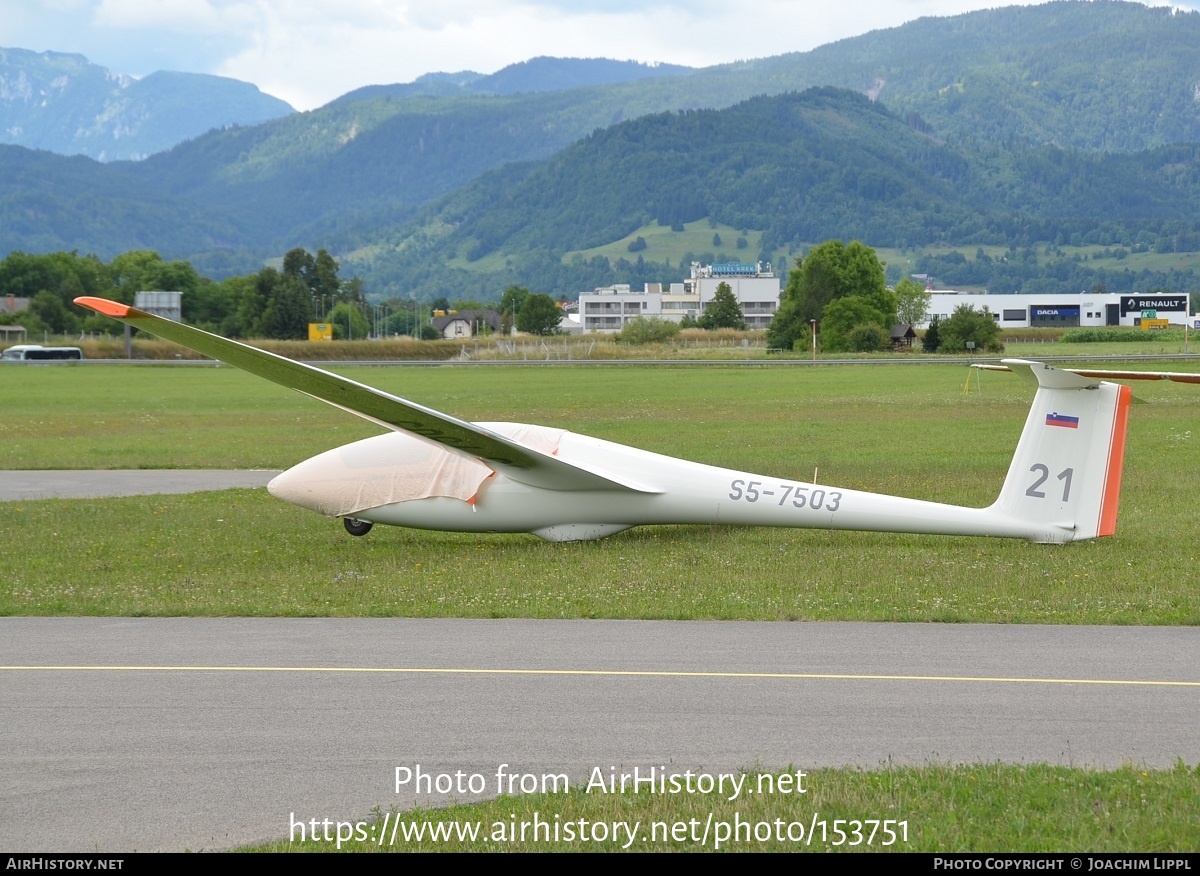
x: 62, y: 102
x: 961, y: 147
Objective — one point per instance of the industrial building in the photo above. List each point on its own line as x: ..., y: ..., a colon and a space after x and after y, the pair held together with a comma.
x: 1067, y: 310
x: 756, y: 288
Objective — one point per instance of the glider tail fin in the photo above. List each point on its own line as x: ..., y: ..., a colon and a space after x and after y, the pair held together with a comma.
x: 1065, y: 478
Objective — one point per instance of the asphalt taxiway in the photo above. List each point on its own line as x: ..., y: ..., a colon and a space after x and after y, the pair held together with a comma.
x: 29, y: 485
x: 191, y: 733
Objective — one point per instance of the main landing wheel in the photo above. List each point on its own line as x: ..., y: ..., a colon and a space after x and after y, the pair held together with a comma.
x: 357, y: 527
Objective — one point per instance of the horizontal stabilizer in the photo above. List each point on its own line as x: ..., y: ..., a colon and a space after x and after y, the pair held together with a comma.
x: 1107, y: 373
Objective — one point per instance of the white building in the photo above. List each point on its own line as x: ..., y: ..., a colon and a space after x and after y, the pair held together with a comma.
x: 1066, y: 310
x: 755, y: 287
x: 457, y: 326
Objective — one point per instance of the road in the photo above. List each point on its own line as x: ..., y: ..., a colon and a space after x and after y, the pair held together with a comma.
x: 28, y: 485
x: 189, y: 733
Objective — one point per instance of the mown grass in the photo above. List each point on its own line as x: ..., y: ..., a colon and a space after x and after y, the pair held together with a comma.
x: 906, y: 431
x: 874, y: 425
x: 1148, y: 344
x: 909, y: 431
x: 963, y: 808
x: 241, y: 553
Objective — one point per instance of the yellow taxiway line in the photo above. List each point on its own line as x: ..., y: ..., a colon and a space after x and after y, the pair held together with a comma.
x: 616, y: 673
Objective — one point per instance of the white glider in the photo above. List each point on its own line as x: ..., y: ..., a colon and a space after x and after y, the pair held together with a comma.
x: 434, y: 471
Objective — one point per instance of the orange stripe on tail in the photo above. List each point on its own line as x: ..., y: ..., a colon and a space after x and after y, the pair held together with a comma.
x: 1116, y: 459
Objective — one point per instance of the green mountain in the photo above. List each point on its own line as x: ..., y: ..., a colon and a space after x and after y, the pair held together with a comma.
x: 786, y: 171
x: 1071, y: 74
x: 1106, y: 75
x: 50, y: 203
x: 994, y: 128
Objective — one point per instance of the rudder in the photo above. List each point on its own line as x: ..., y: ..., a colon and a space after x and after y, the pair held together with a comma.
x: 1065, y: 477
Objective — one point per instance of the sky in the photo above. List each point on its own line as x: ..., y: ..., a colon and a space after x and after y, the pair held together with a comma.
x: 308, y: 52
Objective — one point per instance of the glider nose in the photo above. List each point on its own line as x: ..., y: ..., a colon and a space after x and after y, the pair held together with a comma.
x: 307, y: 486
x: 378, y: 471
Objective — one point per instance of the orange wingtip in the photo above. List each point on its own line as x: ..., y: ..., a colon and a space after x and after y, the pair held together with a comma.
x: 103, y: 305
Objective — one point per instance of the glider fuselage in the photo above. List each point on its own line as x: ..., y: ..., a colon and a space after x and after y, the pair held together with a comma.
x: 684, y: 493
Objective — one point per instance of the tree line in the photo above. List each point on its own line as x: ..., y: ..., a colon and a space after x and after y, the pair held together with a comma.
x: 270, y: 303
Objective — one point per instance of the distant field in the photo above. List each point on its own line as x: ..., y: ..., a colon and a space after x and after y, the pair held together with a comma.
x: 663, y: 244
x: 1111, y: 258
x: 907, y: 431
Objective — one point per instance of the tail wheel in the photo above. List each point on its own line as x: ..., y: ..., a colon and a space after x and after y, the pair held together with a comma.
x: 357, y: 527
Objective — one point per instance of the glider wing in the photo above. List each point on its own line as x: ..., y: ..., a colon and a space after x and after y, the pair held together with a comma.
x: 518, y: 461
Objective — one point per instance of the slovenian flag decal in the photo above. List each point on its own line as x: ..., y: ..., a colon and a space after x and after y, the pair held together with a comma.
x: 1067, y: 422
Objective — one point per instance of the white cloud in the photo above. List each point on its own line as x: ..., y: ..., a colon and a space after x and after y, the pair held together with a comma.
x: 312, y: 54
x: 310, y: 51
x: 174, y: 16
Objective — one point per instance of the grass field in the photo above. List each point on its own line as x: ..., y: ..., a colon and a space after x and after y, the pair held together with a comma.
x: 665, y: 245
x: 1111, y: 258
x: 904, y: 430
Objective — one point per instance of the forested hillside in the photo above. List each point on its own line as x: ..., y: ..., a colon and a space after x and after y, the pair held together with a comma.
x: 1066, y: 125
x: 789, y: 170
x: 1103, y: 75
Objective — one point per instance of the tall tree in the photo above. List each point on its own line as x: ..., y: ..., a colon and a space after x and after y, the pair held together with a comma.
x: 348, y: 322
x: 298, y: 262
x: 253, y: 301
x: 834, y: 270
x: 968, y: 325
x: 323, y: 279
x: 288, y: 310
x: 933, y: 336
x: 830, y: 271
x: 319, y: 274
x: 844, y: 315
x: 723, y: 311
x: 912, y: 302
x: 511, y: 302
x: 539, y: 315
